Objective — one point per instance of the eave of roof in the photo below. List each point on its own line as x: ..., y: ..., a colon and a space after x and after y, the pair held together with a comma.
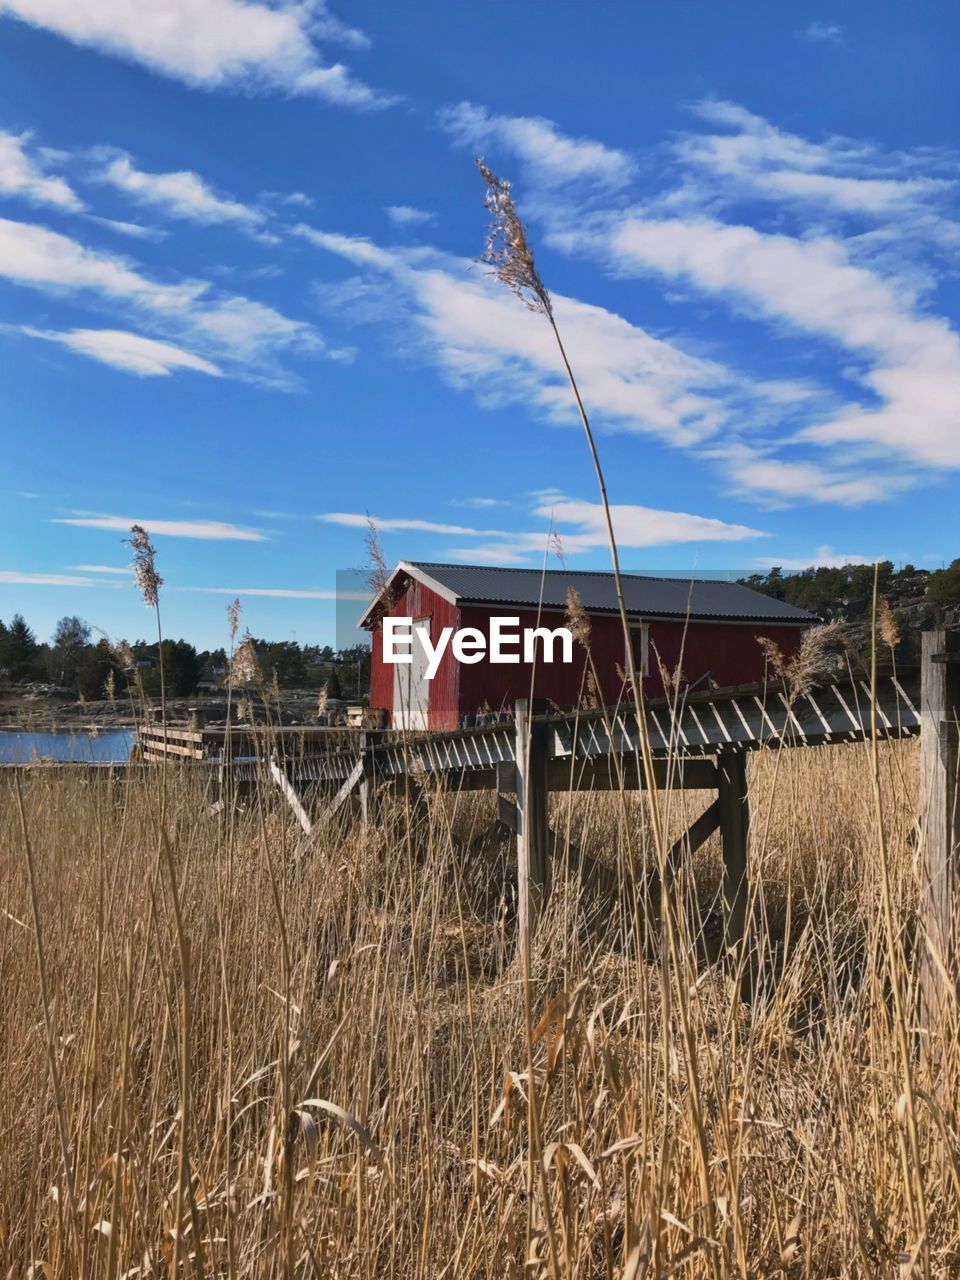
x: 504, y: 581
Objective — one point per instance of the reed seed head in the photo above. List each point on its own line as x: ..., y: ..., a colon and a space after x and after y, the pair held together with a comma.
x: 244, y: 666
x: 145, y: 573
x: 124, y: 654
x: 378, y: 571
x: 578, y: 620
x: 816, y: 660
x: 887, y: 626
x: 507, y: 251
x: 233, y: 615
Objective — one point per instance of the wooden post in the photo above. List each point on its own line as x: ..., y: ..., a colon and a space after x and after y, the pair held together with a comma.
x: 734, y: 809
x: 369, y: 797
x: 533, y: 864
x: 940, y: 831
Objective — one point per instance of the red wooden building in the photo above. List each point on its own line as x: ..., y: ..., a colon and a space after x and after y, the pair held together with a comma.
x: 707, y: 630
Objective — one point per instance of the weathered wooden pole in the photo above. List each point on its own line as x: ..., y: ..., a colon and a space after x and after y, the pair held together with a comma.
x: 370, y: 800
x: 734, y: 813
x: 533, y: 863
x: 940, y: 830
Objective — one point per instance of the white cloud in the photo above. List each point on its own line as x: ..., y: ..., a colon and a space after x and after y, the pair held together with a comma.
x: 128, y: 351
x: 636, y: 526
x: 182, y: 194
x: 483, y: 337
x: 552, y: 157
x: 33, y: 255
x: 246, y: 328
x: 776, y: 481
x: 912, y: 360
x: 497, y: 552
x: 356, y: 249
x: 887, y: 367
x: 823, y: 558
x: 134, y: 230
x: 20, y: 175
x: 102, y: 568
x: 277, y: 593
x: 581, y: 526
x: 478, y: 503
x: 298, y: 198
x: 205, y: 530
x: 823, y: 32
x: 14, y: 577
x: 756, y: 158
x: 405, y: 215
x: 356, y: 520
x: 213, y: 43
x: 246, y: 335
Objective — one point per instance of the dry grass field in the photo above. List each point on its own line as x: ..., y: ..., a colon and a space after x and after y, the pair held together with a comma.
x: 214, y: 1064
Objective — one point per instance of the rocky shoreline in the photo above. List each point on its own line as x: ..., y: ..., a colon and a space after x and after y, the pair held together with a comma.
x: 33, y: 710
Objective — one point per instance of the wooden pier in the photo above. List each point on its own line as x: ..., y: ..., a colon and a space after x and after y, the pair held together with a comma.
x: 699, y: 743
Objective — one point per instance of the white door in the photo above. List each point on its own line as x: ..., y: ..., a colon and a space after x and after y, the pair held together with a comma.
x: 411, y: 689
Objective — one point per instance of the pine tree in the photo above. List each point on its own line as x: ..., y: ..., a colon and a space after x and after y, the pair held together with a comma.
x: 19, y: 652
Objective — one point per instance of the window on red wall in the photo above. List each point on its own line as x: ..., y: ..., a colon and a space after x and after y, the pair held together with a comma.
x: 640, y: 638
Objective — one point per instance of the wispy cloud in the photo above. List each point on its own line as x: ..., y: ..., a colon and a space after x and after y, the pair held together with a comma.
x: 752, y: 157
x: 102, y: 568
x: 552, y: 157
x: 236, y: 334
x: 823, y: 558
x: 214, y: 44
x: 912, y: 360
x: 852, y: 262
x: 135, y: 230
x: 181, y: 194
x: 756, y: 471
x: 274, y: 593
x: 484, y: 338
x: 33, y: 255
x: 22, y: 175
x: 500, y: 553
x: 405, y: 215
x: 128, y: 351
x: 829, y: 32
x: 636, y: 526
x: 205, y: 530
x: 358, y: 520
x: 15, y: 577
x: 580, y: 524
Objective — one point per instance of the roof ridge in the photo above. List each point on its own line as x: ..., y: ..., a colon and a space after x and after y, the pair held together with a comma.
x: 591, y: 573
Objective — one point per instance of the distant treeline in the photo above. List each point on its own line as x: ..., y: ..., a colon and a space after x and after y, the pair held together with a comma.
x: 75, y: 661
x: 924, y: 597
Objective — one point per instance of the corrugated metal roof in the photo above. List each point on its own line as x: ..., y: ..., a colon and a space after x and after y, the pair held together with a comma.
x: 644, y: 596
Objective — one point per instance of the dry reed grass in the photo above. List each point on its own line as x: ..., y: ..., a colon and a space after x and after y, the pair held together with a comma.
x: 347, y: 1043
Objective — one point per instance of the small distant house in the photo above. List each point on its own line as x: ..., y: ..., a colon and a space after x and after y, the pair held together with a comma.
x: 707, y: 630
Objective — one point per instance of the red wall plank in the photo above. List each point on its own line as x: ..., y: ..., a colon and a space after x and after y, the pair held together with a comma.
x: 729, y: 651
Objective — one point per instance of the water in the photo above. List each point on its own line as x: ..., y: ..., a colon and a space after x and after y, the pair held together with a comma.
x: 21, y: 748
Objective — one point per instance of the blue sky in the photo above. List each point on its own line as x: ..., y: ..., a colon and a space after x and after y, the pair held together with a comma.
x: 239, y: 301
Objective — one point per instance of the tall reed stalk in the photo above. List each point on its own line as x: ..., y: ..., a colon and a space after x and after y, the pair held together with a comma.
x: 509, y: 254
